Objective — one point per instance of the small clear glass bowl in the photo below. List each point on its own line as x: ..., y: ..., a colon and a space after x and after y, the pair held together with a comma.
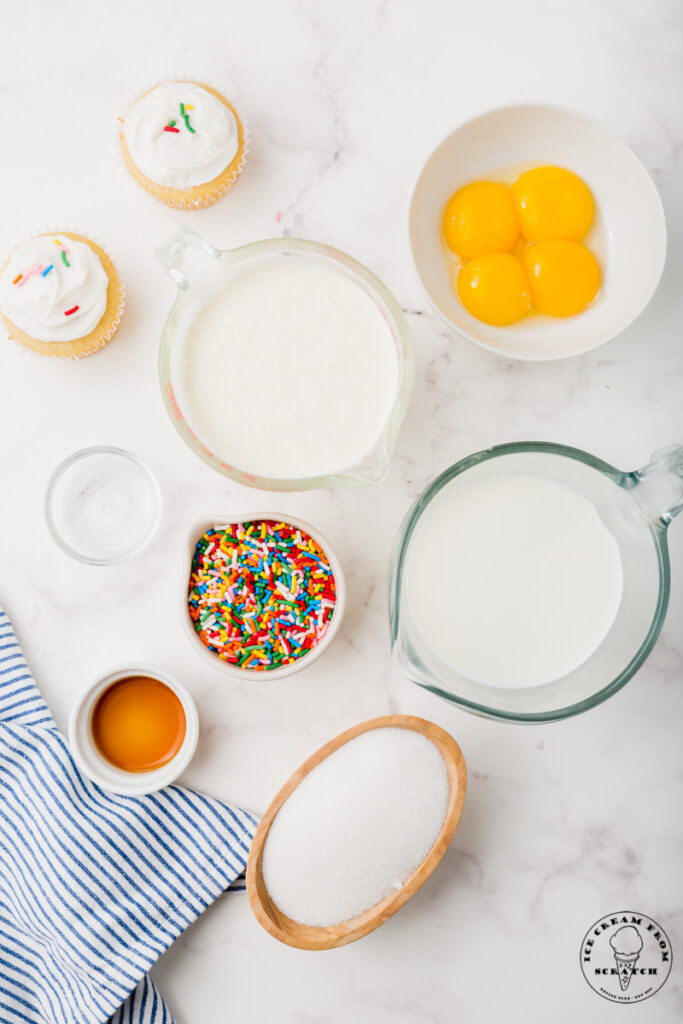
x: 102, y: 505
x: 200, y: 271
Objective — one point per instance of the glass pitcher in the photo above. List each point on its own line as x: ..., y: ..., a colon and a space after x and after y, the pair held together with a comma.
x: 637, y: 508
x: 200, y: 271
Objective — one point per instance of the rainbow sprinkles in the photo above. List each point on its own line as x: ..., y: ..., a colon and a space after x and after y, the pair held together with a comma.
x: 171, y: 126
x: 261, y: 594
x: 22, y: 278
x: 42, y: 270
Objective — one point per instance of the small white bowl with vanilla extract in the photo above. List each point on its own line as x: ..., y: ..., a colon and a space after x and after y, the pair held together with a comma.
x: 134, y: 731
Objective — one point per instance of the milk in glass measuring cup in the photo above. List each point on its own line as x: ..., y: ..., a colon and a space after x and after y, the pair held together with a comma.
x: 531, y: 581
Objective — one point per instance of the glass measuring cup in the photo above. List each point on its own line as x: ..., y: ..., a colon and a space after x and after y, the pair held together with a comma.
x: 637, y: 507
x: 200, y: 270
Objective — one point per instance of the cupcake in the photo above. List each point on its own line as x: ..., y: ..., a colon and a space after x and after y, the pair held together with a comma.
x: 61, y: 295
x: 184, y: 143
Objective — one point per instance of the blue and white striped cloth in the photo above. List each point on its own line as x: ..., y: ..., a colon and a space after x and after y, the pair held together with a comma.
x: 93, y: 887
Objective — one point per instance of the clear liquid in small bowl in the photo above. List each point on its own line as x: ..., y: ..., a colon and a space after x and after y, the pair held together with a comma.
x: 102, y: 505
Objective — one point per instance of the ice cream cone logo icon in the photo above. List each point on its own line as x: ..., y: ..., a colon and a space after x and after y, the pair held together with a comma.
x: 626, y: 957
x: 626, y: 944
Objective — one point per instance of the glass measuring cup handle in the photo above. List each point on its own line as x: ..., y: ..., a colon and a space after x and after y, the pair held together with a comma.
x: 659, y: 485
x: 188, y: 257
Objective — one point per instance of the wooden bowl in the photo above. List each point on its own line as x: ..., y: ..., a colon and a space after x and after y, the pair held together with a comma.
x: 307, y: 937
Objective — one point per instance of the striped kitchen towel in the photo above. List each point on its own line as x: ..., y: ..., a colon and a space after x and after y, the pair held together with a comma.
x: 93, y: 887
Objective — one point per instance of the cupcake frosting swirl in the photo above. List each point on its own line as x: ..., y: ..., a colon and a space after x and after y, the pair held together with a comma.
x: 54, y: 288
x: 181, y: 135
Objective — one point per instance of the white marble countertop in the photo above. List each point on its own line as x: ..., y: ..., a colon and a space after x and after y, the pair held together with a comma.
x: 562, y: 824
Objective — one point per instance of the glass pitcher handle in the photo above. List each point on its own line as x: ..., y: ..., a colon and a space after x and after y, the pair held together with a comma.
x: 188, y: 258
x: 659, y: 485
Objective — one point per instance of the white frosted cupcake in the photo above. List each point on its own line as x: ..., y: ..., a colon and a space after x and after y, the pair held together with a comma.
x: 61, y: 295
x: 184, y: 143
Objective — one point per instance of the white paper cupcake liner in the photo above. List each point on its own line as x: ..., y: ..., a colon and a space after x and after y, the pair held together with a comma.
x: 182, y: 204
x: 108, y: 335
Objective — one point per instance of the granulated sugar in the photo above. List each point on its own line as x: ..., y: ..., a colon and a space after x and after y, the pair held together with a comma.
x: 356, y: 826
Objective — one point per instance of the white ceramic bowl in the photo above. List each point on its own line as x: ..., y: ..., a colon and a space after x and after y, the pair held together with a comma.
x: 196, y: 532
x: 107, y: 775
x: 628, y: 235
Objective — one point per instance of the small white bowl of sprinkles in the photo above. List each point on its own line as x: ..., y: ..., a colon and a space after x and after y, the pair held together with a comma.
x: 262, y: 594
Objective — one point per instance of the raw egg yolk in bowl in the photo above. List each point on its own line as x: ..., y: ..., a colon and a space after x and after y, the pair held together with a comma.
x: 564, y: 276
x: 495, y: 288
x: 481, y: 218
x: 552, y: 203
x: 515, y: 249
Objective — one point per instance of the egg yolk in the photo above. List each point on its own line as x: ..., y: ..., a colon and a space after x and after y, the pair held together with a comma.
x: 138, y: 724
x: 480, y: 218
x: 552, y: 203
x: 564, y: 276
x: 495, y: 288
